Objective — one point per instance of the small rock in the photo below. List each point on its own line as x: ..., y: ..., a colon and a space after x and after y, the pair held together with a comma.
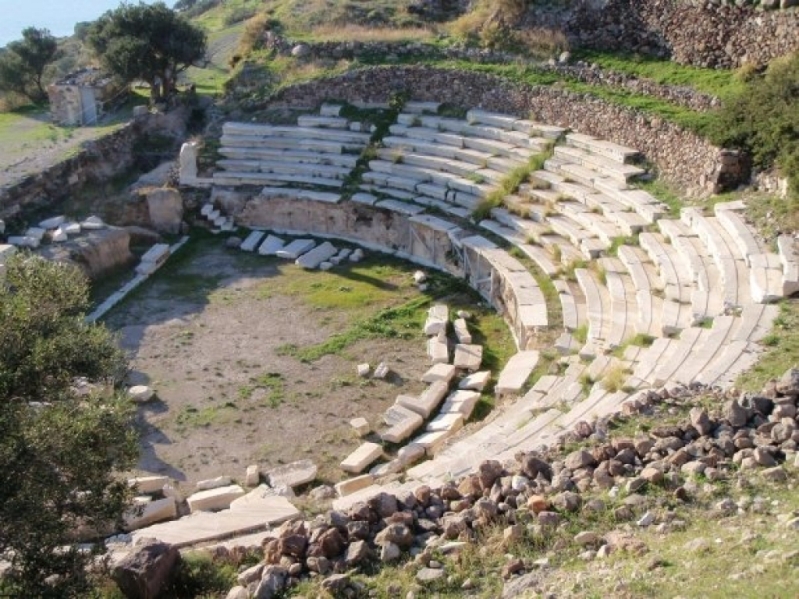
x: 700, y: 421
x: 389, y: 552
x: 252, y: 476
x: 428, y: 575
x: 586, y: 537
x: 363, y: 370
x: 140, y: 393
x: 361, y: 426
x: 645, y: 520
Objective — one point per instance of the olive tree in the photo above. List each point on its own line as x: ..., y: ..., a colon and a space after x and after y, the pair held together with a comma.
x: 148, y: 42
x: 62, y: 444
x: 23, y: 62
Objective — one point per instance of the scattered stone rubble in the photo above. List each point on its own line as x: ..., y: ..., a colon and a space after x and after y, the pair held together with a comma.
x: 539, y: 489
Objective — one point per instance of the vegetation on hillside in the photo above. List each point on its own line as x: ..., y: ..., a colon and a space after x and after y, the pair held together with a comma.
x: 64, y: 434
x: 23, y: 63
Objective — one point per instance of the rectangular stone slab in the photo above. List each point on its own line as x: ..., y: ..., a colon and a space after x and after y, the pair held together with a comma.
x: 351, y: 485
x: 271, y: 245
x: 427, y: 402
x: 361, y: 458
x: 439, y: 372
x: 437, y: 318
x: 146, y: 485
x: 293, y: 475
x: 451, y: 422
x: 462, y: 331
x: 468, y: 357
x: 214, y: 499
x: 461, y: 402
x: 295, y: 249
x: 404, y: 423
x: 438, y: 350
x: 252, y: 241
x: 476, y: 380
x: 516, y: 372
x: 151, y: 512
x: 317, y: 255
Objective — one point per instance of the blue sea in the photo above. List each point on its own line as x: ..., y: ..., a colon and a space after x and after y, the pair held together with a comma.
x: 59, y: 16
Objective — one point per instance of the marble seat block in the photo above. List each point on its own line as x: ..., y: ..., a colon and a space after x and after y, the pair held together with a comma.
x: 295, y: 249
x: 352, y: 485
x: 427, y: 401
x: 314, y: 257
x: 468, y: 357
x: 271, y: 245
x: 146, y: 485
x: 252, y: 241
x: 462, y: 331
x: 461, y: 402
x: 439, y: 372
x: 293, y: 475
x: 450, y: 421
x: 214, y: 499
x: 437, y: 318
x: 438, y: 350
x: 516, y: 372
x: 402, y: 424
x: 150, y: 513
x: 475, y: 381
x: 362, y: 458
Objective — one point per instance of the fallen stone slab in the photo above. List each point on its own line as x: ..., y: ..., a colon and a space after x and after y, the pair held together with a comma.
x: 352, y: 485
x: 381, y: 371
x: 468, y: 357
x: 427, y: 401
x: 252, y: 241
x: 53, y: 222
x: 59, y: 235
x: 439, y: 372
x: 35, y: 232
x: 361, y: 426
x: 93, y: 223
x: 363, y: 370
x: 213, y: 483
x: 295, y: 249
x: 271, y: 245
x: 462, y: 331
x: 214, y: 499
x: 461, y: 402
x: 23, y: 241
x: 362, y: 458
x: 153, y: 258
x: 438, y: 350
x: 402, y: 421
x: 451, y: 422
x: 147, y: 485
x: 293, y: 475
x: 437, y: 318
x: 475, y: 381
x: 150, y: 513
x: 431, y: 441
x: 516, y: 372
x: 252, y: 476
x: 313, y: 258
x: 202, y: 527
x: 261, y: 500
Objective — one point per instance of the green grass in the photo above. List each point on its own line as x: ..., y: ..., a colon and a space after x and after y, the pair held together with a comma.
x: 663, y: 192
x: 718, y: 82
x: 782, y: 349
x: 271, y: 384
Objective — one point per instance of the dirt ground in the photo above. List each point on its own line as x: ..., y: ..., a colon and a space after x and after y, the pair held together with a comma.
x: 210, y: 338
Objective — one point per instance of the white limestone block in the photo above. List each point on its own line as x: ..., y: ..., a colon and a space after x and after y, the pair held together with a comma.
x: 52, y: 222
x: 35, y: 232
x: 410, y: 454
x: 437, y: 318
x: 468, y: 357
x: 314, y: 257
x: 23, y: 241
x: 58, y: 235
x: 475, y: 381
x: 461, y: 402
x: 462, y: 331
x: 147, y: 485
x: 295, y: 249
x: 427, y: 401
x: 381, y: 371
x: 439, y: 372
x: 789, y: 257
x: 432, y: 441
x: 271, y: 245
x: 451, y: 422
x: 362, y: 458
x: 252, y: 241
x: 213, y: 483
x: 352, y: 485
x: 214, y: 499
x: 516, y: 372
x: 93, y: 223
x: 294, y: 474
x: 252, y: 476
x: 361, y: 426
x: 403, y: 423
x: 150, y: 513
x: 438, y: 350
x: 363, y: 370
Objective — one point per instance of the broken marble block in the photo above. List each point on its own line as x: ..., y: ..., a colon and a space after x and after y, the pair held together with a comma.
x: 468, y: 357
x: 475, y: 381
x: 439, y: 372
x: 363, y: 370
x: 427, y: 401
x: 437, y: 318
x: 438, y: 349
x: 213, y: 483
x: 147, y: 485
x: 214, y: 499
x: 402, y: 423
x: 381, y: 371
x: 293, y: 475
x: 351, y: 485
x: 360, y: 459
x: 361, y: 426
x: 462, y: 331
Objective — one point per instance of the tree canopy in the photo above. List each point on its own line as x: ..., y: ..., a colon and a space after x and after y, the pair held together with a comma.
x: 23, y: 63
x: 148, y: 42
x: 61, y: 448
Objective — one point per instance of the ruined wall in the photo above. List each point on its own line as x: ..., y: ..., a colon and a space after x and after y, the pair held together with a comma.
x: 706, y: 33
x: 680, y: 156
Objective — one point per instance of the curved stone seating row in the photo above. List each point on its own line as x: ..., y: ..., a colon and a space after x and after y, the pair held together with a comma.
x: 320, y: 151
x: 672, y: 284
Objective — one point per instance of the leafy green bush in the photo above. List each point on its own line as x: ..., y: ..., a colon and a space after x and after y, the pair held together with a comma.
x: 764, y: 119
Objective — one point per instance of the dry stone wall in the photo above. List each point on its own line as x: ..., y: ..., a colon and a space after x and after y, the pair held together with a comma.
x: 679, y: 155
x: 708, y: 33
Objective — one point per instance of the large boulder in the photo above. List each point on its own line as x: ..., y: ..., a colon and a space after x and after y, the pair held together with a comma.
x: 148, y: 571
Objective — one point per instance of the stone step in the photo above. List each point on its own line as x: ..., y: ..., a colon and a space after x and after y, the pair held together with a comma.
x: 572, y: 304
x: 327, y: 122
x: 607, y: 149
x: 516, y: 372
x: 284, y: 168
x: 295, y: 249
x: 789, y: 257
x: 604, y: 167
x: 597, y: 304
x: 360, y: 459
x: 301, y: 194
x: 256, y: 131
x: 289, y: 144
x: 232, y: 179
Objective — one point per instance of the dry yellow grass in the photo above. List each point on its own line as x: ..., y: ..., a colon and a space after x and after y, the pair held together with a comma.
x: 360, y: 33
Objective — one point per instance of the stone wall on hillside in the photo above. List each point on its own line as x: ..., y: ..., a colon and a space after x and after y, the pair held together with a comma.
x: 680, y: 156
x: 706, y: 33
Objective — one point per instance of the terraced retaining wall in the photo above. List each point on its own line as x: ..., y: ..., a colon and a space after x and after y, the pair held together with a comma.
x: 700, y: 32
x: 679, y: 155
